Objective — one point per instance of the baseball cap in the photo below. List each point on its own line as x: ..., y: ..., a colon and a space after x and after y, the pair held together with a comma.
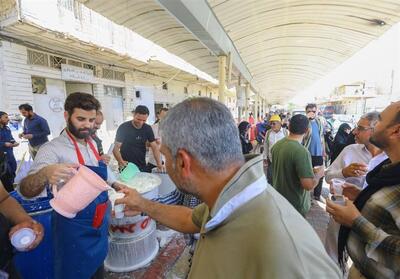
x: 275, y: 117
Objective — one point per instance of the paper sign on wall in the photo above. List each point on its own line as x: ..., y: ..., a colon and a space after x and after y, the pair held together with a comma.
x: 73, y: 73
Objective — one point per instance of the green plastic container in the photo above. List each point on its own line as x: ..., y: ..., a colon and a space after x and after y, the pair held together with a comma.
x: 129, y: 172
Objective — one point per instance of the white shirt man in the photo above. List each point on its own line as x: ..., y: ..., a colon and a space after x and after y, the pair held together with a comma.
x: 272, y: 136
x: 351, y: 154
x: 352, y: 165
x: 371, y: 224
x: 276, y: 133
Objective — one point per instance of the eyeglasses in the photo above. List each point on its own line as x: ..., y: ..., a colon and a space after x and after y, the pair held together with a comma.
x: 361, y: 128
x: 313, y: 111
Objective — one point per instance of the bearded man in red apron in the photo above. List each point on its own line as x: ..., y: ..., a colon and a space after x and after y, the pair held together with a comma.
x: 80, y: 243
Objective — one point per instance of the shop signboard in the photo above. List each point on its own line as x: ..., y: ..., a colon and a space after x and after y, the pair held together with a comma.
x: 73, y: 73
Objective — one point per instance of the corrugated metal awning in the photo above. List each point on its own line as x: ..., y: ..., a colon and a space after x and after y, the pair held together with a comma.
x: 286, y: 45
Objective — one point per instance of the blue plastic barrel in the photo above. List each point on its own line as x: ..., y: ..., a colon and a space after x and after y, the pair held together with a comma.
x: 38, y: 263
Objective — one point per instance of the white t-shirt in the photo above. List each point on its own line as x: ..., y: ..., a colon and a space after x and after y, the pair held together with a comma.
x: 272, y: 137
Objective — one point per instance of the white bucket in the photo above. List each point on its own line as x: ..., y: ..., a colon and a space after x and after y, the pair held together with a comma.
x: 129, y: 226
x: 167, y: 185
x: 131, y: 253
x: 145, y: 183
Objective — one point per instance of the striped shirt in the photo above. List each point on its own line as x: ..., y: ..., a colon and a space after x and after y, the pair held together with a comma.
x: 176, y: 197
x: 374, y: 240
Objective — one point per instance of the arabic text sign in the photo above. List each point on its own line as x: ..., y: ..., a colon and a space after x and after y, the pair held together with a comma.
x: 73, y: 73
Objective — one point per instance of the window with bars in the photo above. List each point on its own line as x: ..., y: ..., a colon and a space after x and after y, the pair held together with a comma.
x: 108, y: 74
x: 89, y: 66
x: 74, y: 63
x: 115, y: 75
x: 119, y: 76
x: 113, y: 91
x: 56, y: 61
x: 38, y: 58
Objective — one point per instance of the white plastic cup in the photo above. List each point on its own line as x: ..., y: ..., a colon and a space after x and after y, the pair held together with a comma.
x: 23, y: 238
x: 119, y: 211
x: 337, y: 185
x: 339, y: 199
x: 119, y: 208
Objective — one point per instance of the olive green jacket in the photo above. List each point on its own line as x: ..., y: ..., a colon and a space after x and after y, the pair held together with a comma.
x: 253, y: 232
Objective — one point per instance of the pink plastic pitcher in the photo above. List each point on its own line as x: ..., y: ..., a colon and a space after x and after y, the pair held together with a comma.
x: 78, y: 192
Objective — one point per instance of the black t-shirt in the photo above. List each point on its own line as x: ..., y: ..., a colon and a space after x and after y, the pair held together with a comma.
x: 133, y: 148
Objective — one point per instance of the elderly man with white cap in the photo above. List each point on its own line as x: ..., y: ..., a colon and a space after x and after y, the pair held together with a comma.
x: 276, y: 133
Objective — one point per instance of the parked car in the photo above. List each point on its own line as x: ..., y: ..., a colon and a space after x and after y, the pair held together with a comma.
x: 328, y: 111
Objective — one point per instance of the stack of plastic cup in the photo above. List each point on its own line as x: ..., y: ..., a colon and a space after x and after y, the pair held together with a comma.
x: 23, y: 238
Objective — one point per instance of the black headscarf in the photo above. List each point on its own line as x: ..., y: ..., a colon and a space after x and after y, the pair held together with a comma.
x: 340, y: 141
x: 243, y: 127
x: 341, y: 135
x: 246, y: 145
x: 383, y: 175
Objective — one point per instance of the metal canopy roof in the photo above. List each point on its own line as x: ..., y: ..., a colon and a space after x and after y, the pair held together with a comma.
x: 150, y: 20
x: 285, y: 45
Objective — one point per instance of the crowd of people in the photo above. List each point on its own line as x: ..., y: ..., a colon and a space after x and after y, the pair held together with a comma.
x: 364, y: 160
x: 243, y: 190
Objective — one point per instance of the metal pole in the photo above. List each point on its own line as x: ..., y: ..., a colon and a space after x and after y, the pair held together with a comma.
x: 262, y: 108
x: 246, y: 103
x: 222, y: 79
